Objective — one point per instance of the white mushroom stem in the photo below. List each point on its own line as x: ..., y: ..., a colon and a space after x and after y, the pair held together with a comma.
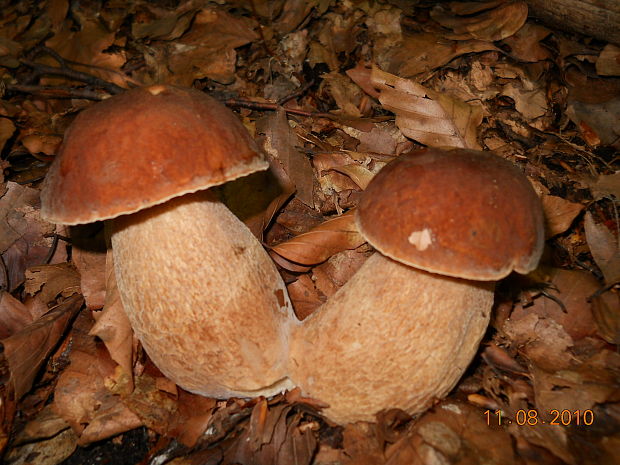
x: 391, y: 337
x: 203, y: 297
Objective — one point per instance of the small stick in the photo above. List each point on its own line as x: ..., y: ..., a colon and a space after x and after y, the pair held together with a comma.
x: 40, y: 69
x: 56, y: 92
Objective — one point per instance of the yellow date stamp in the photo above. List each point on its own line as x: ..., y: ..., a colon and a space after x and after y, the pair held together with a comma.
x: 531, y: 417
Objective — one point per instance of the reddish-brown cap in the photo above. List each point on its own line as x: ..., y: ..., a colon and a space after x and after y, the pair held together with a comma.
x: 460, y: 213
x: 142, y: 148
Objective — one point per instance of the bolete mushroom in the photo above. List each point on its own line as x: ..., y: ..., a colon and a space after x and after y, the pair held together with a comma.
x: 202, y: 295
x: 401, y: 332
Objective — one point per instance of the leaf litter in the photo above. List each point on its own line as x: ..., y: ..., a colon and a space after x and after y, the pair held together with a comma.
x: 332, y: 91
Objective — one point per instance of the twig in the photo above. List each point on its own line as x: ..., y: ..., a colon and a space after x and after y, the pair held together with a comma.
x: 265, y: 106
x: 5, y: 275
x: 296, y: 94
x: 260, y: 30
x: 52, y: 249
x: 40, y: 69
x: 56, y: 92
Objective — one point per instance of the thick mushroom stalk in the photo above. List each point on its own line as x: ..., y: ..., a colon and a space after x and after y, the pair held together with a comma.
x: 203, y: 297
x: 392, y: 337
x: 402, y: 331
x: 201, y: 293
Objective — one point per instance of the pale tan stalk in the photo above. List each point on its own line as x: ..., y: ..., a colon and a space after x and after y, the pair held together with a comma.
x: 203, y: 297
x: 392, y: 337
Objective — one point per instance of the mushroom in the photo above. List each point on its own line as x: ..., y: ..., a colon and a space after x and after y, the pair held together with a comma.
x: 201, y: 293
x: 402, y: 331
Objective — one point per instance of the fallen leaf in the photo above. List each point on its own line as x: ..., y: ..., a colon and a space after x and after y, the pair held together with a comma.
x: 81, y: 396
x: 559, y: 214
x: 49, y: 281
x: 424, y: 52
x: 489, y: 20
x: 280, y: 142
x: 427, y: 116
x: 29, y: 348
x: 604, y: 248
x: 304, y: 296
x: 113, y: 328
x: 608, y: 62
x: 323, y: 241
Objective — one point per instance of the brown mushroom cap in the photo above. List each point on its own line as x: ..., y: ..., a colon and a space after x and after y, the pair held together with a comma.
x: 460, y: 213
x: 181, y: 139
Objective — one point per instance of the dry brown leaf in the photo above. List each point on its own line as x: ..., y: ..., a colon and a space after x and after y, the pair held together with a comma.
x: 207, y: 50
x: 91, y: 266
x: 595, y: 381
x: 86, y: 46
x: 486, y: 20
x: 331, y: 275
x: 113, y: 328
x: 559, y: 214
x: 573, y: 290
x: 531, y: 103
x: 193, y: 415
x: 21, y: 231
x: 279, y: 142
x: 427, y: 116
x: 360, y: 75
x: 304, y: 296
x: 606, y: 186
x: 545, y: 341
x: 29, y: 348
x: 42, y: 143
x: 322, y: 242
x: 358, y: 174
x: 7, y: 128
x: 14, y: 315
x: 81, y: 396
x: 48, y: 451
x: 525, y: 43
x: 604, y: 248
x: 608, y: 62
x: 458, y: 433
x: 169, y: 26
x: 49, y: 281
x: 606, y: 309
x: 424, y: 52
x: 155, y: 408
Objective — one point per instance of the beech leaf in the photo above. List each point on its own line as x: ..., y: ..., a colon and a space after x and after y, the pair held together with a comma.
x: 323, y: 241
x: 430, y: 117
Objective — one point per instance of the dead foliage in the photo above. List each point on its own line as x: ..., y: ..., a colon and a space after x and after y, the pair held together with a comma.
x: 332, y: 91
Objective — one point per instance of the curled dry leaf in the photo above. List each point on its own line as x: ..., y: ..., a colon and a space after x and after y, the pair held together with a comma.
x: 491, y: 20
x: 14, y: 315
x: 608, y: 62
x: 208, y: 48
x: 49, y: 281
x: 604, y: 248
x: 559, y: 214
x: 21, y: 231
x: 606, y: 309
x: 428, y: 116
x: 81, y: 396
x: 424, y: 52
x: 92, y: 269
x: 358, y: 174
x: 113, y: 328
x: 304, y: 296
x: 279, y: 142
x: 29, y: 348
x: 320, y: 243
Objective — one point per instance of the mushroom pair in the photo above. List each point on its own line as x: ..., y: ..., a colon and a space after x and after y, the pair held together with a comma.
x: 208, y: 304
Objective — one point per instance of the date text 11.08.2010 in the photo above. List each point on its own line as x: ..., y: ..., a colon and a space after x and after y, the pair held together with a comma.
x: 532, y: 418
